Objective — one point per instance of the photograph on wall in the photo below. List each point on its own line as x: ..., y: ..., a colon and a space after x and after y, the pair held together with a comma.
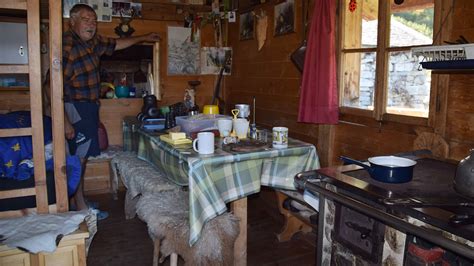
x: 137, y: 9
x: 284, y: 18
x: 103, y: 8
x: 215, y: 59
x: 122, y: 9
x: 183, y: 52
x: 246, y: 24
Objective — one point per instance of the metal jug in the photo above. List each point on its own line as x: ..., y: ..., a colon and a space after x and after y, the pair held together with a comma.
x: 464, y: 179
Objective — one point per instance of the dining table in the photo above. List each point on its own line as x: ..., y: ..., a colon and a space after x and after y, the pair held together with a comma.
x: 227, y: 176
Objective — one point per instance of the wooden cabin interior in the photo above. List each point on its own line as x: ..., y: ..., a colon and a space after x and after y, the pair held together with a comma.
x: 379, y: 113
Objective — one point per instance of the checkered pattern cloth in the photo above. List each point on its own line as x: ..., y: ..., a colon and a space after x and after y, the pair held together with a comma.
x: 224, y: 176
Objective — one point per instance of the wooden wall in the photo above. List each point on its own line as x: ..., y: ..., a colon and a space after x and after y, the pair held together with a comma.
x: 270, y: 76
x: 172, y: 87
x: 156, y: 18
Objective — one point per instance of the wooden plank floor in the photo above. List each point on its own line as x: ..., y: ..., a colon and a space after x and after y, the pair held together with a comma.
x: 126, y: 242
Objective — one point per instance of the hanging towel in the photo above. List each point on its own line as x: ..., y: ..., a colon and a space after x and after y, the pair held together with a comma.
x: 319, y: 96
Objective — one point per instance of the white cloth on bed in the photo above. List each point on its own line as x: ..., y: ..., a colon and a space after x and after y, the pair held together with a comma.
x: 37, y: 233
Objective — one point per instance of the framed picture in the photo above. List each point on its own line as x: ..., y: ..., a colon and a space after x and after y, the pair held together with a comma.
x: 183, y: 53
x: 246, y: 23
x: 103, y: 8
x: 213, y: 59
x: 284, y: 18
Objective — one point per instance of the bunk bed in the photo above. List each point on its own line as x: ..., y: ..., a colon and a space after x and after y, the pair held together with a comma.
x: 49, y: 191
x: 17, y: 167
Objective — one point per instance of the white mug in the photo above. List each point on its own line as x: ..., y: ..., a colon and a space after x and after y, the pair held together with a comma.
x: 206, y: 143
x: 224, y: 126
x: 241, y: 127
x: 280, y: 137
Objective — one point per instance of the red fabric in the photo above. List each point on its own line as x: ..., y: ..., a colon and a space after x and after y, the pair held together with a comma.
x: 103, y: 139
x: 319, y: 97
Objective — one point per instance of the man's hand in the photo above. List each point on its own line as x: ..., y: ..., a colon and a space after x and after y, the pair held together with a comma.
x: 68, y: 129
x: 123, y: 43
x: 152, y: 37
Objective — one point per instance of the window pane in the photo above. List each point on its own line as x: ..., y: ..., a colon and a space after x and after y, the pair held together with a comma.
x: 359, y: 80
x: 408, y: 87
x: 411, y: 23
x: 360, y: 24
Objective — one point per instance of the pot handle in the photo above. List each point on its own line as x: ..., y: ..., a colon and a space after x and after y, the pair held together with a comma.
x: 359, y: 163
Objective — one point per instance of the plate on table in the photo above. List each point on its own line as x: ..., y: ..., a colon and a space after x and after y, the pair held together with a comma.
x: 246, y: 145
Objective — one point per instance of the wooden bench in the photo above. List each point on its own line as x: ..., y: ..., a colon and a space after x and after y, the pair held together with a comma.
x: 164, y: 207
x: 98, y: 175
x: 167, y: 217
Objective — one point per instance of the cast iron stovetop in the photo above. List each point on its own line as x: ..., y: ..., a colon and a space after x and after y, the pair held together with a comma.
x: 432, y: 183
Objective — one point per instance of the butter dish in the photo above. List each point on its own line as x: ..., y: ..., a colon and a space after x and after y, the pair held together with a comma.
x: 167, y: 139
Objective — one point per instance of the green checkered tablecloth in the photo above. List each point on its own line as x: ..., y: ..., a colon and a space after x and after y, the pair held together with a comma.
x: 224, y: 176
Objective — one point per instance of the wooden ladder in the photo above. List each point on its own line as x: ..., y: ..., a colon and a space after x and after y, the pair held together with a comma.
x: 33, y: 69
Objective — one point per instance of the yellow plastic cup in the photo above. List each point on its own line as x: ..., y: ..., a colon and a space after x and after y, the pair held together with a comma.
x: 210, y: 110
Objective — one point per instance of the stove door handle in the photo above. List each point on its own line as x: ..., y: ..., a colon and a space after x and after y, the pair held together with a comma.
x: 461, y: 219
x: 364, y: 232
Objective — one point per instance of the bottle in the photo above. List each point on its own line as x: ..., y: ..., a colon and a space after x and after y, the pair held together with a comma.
x: 132, y: 92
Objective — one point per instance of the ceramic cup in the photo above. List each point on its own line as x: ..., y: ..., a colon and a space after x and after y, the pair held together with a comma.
x: 204, y: 143
x: 280, y: 137
x: 224, y: 126
x: 241, y: 127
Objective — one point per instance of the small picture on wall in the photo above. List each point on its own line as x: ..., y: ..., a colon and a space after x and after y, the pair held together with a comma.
x: 122, y: 9
x: 215, y: 59
x: 284, y: 18
x: 246, y: 26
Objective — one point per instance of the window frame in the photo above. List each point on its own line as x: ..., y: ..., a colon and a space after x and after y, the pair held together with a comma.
x: 382, y: 51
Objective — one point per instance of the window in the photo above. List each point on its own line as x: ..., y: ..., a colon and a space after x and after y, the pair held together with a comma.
x: 379, y: 76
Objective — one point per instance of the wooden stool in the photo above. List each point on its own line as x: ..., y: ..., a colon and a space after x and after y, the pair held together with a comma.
x: 167, y: 215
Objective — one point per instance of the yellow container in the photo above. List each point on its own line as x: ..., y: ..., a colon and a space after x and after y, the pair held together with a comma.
x: 210, y: 110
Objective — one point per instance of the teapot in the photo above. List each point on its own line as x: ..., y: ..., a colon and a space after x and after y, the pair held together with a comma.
x: 464, y: 178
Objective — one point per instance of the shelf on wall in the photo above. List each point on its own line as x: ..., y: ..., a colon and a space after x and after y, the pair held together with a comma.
x: 14, y: 88
x: 446, y: 58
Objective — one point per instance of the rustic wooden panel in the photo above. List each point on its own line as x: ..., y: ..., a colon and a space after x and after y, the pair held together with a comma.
x: 97, y: 177
x: 113, y: 111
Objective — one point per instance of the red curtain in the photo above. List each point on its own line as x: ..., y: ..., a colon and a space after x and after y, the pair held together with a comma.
x: 319, y: 96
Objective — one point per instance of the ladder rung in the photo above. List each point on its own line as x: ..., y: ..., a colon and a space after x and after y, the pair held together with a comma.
x: 16, y: 193
x: 14, y: 132
x: 13, y: 4
x: 14, y: 69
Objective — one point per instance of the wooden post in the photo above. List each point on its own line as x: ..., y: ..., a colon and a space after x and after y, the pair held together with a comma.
x: 239, y: 207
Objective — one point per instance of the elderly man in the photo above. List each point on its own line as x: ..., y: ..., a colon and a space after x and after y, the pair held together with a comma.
x: 82, y: 49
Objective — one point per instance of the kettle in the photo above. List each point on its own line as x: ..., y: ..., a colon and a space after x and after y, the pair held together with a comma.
x: 464, y: 178
x: 150, y: 108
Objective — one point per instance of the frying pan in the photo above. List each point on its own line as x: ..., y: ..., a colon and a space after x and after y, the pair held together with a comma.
x: 297, y: 57
x: 388, y: 169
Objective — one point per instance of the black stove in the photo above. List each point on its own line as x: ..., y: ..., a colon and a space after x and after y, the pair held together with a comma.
x: 430, y: 195
x: 432, y: 185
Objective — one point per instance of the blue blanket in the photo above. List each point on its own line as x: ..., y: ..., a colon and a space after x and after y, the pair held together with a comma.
x: 16, y: 153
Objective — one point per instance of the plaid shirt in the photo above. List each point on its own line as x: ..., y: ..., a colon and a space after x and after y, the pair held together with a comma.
x: 81, y: 66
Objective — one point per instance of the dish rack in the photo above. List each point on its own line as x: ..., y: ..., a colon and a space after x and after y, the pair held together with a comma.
x: 445, y: 52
